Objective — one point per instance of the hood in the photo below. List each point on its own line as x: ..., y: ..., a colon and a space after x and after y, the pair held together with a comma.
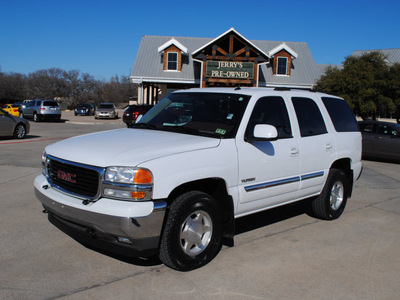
x: 127, y: 146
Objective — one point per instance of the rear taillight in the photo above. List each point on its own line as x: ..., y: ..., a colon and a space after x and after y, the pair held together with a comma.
x: 42, y: 108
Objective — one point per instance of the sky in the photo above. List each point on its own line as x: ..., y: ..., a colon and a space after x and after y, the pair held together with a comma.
x: 102, y: 37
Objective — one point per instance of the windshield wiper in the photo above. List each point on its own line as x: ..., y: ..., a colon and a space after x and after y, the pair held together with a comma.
x: 189, y: 130
x: 143, y: 125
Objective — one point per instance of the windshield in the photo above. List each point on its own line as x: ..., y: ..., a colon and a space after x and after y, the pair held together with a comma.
x: 105, y: 105
x: 208, y: 114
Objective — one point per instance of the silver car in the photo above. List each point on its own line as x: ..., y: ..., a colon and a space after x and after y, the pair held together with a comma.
x: 13, y: 126
x: 106, y: 110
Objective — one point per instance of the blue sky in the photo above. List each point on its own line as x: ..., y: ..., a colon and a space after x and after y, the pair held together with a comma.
x: 102, y: 37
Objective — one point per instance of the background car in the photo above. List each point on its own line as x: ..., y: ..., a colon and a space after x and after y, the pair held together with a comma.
x: 13, y: 109
x: 133, y: 111
x: 42, y: 110
x: 106, y: 110
x: 84, y: 109
x: 13, y: 126
x: 381, y: 140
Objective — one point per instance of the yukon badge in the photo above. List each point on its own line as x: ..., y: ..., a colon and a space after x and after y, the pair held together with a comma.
x: 66, y: 176
x: 248, y: 180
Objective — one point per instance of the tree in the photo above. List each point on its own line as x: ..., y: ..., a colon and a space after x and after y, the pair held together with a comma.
x: 55, y: 83
x: 364, y: 82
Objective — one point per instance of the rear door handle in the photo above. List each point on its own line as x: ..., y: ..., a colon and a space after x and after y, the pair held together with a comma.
x: 328, y: 147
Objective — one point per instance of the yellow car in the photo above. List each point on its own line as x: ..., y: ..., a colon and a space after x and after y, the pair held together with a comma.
x: 13, y: 109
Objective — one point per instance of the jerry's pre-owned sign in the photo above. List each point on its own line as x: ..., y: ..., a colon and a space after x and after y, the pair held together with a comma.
x: 230, y: 69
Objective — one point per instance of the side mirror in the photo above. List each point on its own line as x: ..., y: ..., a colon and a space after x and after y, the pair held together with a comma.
x: 264, y: 132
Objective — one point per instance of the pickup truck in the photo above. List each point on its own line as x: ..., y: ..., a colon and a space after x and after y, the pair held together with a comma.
x: 174, y: 182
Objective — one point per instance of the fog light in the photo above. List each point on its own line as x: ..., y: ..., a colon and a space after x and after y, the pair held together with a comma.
x: 117, y: 193
x: 124, y: 240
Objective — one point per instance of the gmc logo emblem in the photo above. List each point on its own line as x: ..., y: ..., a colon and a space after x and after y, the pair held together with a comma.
x: 66, y: 176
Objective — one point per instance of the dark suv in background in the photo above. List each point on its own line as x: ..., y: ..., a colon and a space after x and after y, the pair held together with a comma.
x: 39, y: 110
x: 133, y: 111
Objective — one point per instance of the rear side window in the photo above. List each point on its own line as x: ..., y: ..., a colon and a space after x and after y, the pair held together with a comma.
x: 341, y: 114
x: 309, y: 117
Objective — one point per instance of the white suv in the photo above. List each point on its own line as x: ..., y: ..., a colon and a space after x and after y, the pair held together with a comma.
x: 175, y: 182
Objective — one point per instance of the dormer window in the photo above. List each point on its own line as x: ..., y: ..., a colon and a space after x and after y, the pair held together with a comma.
x: 172, y: 63
x: 172, y: 52
x: 283, y: 57
x: 282, y: 66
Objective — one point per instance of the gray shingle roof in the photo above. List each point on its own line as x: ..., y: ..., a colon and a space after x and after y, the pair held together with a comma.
x: 148, y: 64
x: 393, y: 55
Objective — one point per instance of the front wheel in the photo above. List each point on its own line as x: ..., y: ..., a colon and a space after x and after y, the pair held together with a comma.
x: 192, y: 233
x: 330, y: 204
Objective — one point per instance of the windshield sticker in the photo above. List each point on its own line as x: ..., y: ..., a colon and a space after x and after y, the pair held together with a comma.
x: 230, y: 116
x: 220, y: 131
x: 240, y: 99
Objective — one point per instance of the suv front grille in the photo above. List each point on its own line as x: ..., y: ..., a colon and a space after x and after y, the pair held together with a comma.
x: 78, y: 180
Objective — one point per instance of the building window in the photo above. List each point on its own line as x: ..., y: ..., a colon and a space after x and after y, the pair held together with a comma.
x: 172, y: 61
x: 282, y: 66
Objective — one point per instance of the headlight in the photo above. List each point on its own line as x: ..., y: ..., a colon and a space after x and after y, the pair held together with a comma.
x: 44, y: 163
x: 128, y: 183
x: 128, y: 175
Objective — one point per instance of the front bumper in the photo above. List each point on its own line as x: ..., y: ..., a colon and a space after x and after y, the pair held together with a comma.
x: 133, y: 224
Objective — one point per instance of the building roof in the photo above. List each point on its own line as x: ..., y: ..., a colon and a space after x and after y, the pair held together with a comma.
x: 148, y: 62
x: 392, y: 55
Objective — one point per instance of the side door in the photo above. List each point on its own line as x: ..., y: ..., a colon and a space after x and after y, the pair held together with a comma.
x: 387, y: 142
x: 6, y: 124
x: 28, y: 111
x: 269, y: 169
x: 317, y: 146
x: 368, y: 131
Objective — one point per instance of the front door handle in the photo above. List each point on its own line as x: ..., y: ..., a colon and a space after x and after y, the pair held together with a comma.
x: 294, y: 151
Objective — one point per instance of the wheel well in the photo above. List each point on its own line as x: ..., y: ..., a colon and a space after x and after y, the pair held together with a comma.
x: 216, y: 188
x: 344, y: 164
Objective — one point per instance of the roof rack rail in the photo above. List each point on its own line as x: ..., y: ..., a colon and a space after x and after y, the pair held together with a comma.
x: 282, y: 89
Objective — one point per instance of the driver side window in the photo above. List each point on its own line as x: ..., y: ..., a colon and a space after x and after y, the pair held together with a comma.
x: 272, y: 111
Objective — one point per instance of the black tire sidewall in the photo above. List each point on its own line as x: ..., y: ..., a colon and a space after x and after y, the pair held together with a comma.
x: 171, y: 252
x: 16, y: 131
x: 321, y: 205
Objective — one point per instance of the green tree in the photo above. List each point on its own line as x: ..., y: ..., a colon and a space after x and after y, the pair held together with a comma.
x: 365, y: 82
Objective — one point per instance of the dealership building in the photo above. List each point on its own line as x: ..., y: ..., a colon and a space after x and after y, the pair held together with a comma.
x: 164, y: 64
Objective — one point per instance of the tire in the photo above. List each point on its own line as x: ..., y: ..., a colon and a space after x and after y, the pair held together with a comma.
x: 21, y: 115
x: 35, y: 117
x: 192, y: 233
x: 19, y: 132
x: 330, y: 204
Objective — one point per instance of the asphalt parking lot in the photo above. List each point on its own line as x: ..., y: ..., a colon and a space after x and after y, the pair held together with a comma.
x: 279, y: 254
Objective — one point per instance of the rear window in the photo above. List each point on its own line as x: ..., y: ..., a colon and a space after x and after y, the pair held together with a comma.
x: 341, y: 115
x: 50, y: 103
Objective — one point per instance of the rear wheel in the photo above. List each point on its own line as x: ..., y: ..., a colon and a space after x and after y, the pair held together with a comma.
x: 19, y: 131
x: 35, y: 117
x: 330, y: 204
x: 192, y: 233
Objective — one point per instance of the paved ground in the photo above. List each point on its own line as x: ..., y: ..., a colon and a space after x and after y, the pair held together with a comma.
x: 279, y: 254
